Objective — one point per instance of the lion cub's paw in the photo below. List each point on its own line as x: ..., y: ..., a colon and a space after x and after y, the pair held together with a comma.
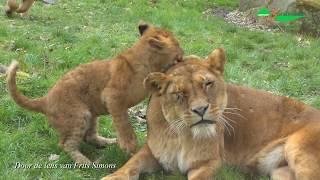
x: 128, y: 145
x: 99, y: 141
x: 82, y: 160
x: 103, y: 142
x: 110, y: 140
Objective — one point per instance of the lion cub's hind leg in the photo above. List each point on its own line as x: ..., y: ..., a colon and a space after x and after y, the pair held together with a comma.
x: 92, y: 136
x: 72, y: 134
x: 23, y: 8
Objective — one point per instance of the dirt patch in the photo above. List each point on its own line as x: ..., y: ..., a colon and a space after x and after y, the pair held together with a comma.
x: 240, y: 19
x: 309, y: 25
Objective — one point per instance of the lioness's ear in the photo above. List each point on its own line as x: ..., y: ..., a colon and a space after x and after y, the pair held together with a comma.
x: 156, y: 82
x: 217, y: 60
x: 143, y: 27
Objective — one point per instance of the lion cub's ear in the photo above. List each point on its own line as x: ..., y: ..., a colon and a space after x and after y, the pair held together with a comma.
x: 156, y: 42
x: 217, y: 60
x: 143, y: 27
x: 192, y: 56
x: 156, y: 82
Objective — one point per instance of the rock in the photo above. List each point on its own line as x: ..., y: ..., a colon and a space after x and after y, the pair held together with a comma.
x: 53, y: 157
x: 311, y: 23
x: 138, y: 112
x: 3, y: 69
x: 281, y: 5
x: 315, y: 4
x: 245, y: 5
x: 220, y: 12
x: 49, y: 1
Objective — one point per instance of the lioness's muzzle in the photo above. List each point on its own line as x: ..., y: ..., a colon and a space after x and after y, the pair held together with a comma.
x: 203, y: 121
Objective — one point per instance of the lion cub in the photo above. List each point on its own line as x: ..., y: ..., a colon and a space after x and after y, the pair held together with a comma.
x: 101, y: 87
x: 23, y: 8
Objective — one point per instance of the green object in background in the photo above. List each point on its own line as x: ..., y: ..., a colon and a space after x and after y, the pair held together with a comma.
x: 284, y: 18
x: 264, y: 12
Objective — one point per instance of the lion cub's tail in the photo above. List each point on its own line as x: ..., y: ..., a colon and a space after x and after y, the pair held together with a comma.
x: 37, y: 105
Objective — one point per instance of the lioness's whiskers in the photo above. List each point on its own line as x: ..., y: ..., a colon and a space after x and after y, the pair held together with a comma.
x: 226, y: 127
x: 227, y: 118
x: 226, y: 123
x: 238, y: 114
x: 221, y: 121
x: 228, y: 108
x: 179, y: 126
x: 175, y: 127
x: 230, y: 126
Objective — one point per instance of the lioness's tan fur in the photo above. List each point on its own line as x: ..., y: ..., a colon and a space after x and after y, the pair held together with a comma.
x: 271, y: 132
x: 101, y: 87
x: 12, y: 6
x: 270, y: 135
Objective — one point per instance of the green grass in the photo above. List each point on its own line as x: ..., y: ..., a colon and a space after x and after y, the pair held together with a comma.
x: 54, y: 39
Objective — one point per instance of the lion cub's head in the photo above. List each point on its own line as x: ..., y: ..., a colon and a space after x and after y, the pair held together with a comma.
x: 193, y: 94
x: 162, y: 43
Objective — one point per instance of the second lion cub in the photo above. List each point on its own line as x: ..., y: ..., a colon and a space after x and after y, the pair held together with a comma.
x: 101, y: 87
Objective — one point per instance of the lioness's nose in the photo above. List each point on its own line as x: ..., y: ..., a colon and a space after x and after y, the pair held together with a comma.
x: 200, y: 110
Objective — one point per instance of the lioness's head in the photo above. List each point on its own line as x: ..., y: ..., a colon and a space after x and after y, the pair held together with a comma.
x: 161, y: 42
x: 192, y: 94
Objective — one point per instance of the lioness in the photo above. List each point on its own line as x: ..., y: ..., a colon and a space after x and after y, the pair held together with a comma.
x: 100, y: 87
x: 24, y: 6
x: 188, y: 119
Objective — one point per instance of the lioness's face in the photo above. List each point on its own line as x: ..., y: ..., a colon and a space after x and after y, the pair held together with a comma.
x: 163, y: 43
x: 193, y: 95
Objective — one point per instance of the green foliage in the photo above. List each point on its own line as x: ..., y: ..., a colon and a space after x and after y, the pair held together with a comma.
x: 54, y: 39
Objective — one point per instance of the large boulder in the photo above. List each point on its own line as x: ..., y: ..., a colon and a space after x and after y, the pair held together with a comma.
x: 281, y: 5
x: 314, y: 4
x: 311, y: 21
x: 245, y: 5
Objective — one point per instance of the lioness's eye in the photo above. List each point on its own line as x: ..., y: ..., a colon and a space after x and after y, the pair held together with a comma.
x: 179, y: 96
x: 209, y: 84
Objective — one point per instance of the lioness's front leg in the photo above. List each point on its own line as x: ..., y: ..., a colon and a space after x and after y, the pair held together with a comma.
x: 142, y: 161
x: 205, y: 171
